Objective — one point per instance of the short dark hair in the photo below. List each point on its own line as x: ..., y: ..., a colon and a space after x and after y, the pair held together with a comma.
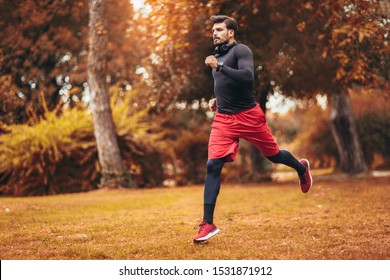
x: 231, y: 23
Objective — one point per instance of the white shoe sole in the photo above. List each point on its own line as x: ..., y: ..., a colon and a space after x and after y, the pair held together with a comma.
x: 211, y: 234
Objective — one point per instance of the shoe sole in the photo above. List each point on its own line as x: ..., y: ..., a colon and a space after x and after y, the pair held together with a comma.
x: 211, y: 234
x: 311, y: 179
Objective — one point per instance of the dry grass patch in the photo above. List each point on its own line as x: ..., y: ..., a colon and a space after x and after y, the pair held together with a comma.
x: 348, y: 219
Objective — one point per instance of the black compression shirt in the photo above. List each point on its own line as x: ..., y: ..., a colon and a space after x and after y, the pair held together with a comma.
x: 233, y: 85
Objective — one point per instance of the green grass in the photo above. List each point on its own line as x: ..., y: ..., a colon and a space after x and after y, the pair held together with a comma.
x: 347, y: 219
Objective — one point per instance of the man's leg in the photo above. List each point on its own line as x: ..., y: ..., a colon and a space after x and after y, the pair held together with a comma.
x: 212, y: 186
x: 286, y: 158
x: 223, y: 147
x: 302, y: 167
x: 262, y: 138
x: 254, y: 129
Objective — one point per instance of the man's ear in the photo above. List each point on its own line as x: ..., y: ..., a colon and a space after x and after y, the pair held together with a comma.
x: 231, y: 33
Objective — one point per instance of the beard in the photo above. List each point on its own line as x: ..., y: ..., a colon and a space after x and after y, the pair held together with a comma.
x: 219, y: 41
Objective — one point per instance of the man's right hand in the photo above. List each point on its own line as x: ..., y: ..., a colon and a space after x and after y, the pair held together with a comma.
x: 213, y: 104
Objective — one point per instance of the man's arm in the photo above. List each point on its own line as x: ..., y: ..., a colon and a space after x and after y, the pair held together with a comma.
x: 213, y: 104
x: 244, y: 73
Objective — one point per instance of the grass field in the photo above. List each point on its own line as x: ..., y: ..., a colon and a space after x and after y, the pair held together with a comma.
x: 345, y: 219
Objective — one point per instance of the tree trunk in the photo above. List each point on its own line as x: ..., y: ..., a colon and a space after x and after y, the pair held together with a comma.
x: 113, y: 170
x: 345, y: 135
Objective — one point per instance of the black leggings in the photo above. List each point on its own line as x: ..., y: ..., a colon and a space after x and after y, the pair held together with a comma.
x: 213, y: 178
x: 286, y: 158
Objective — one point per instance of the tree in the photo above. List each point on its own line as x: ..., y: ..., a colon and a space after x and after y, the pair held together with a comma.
x: 352, y: 52
x: 44, y: 47
x: 113, y: 169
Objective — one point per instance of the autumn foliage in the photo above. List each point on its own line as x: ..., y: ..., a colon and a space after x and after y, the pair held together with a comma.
x: 50, y: 156
x: 57, y: 153
x: 157, y: 76
x: 310, y: 131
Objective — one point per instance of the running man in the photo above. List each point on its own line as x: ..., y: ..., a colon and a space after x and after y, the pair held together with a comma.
x: 237, y: 116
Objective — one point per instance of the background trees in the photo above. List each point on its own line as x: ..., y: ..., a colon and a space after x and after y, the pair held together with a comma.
x: 44, y: 47
x: 156, y: 74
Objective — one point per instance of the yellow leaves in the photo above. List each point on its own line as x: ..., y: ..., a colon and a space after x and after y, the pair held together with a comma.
x: 51, y: 136
x: 131, y: 121
x: 32, y: 155
x: 43, y: 100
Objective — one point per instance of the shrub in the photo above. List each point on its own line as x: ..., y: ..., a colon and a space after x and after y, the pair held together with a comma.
x: 51, y: 156
x: 372, y: 118
x: 191, y: 152
x: 58, y: 153
x: 314, y: 139
x: 372, y: 111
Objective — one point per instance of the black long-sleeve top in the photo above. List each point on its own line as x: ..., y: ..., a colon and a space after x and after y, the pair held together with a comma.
x: 233, y: 85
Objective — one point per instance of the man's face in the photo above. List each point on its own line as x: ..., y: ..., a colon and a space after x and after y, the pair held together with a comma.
x: 221, y: 34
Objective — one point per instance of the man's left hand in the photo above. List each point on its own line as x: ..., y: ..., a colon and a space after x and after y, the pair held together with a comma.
x: 211, y: 61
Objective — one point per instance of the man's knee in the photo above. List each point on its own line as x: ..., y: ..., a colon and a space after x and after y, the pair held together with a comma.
x: 274, y: 158
x: 282, y: 157
x: 214, y: 165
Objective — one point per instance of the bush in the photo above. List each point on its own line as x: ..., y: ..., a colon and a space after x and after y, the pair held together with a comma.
x: 372, y: 118
x: 314, y: 138
x: 52, y: 156
x: 191, y: 152
x: 58, y: 154
x: 372, y: 111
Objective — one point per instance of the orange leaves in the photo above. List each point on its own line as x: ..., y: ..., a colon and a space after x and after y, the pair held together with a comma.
x: 368, y: 31
x: 175, y: 34
x: 352, y: 70
x: 308, y: 5
x: 359, y: 68
x: 340, y: 74
x: 342, y: 57
x: 301, y: 26
x: 351, y: 34
x: 356, y: 41
x: 324, y: 53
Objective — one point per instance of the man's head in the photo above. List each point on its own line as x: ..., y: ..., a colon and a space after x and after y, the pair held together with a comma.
x: 224, y: 29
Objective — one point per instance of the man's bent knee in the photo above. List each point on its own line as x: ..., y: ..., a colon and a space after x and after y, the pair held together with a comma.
x: 215, y: 165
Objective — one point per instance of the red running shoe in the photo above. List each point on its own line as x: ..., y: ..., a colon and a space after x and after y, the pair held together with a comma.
x: 305, y: 180
x: 206, y: 231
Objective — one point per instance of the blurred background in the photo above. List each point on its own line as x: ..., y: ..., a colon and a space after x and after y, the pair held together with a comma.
x: 321, y: 76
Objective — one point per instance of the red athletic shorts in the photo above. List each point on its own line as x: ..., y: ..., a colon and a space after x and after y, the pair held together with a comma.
x: 250, y: 125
